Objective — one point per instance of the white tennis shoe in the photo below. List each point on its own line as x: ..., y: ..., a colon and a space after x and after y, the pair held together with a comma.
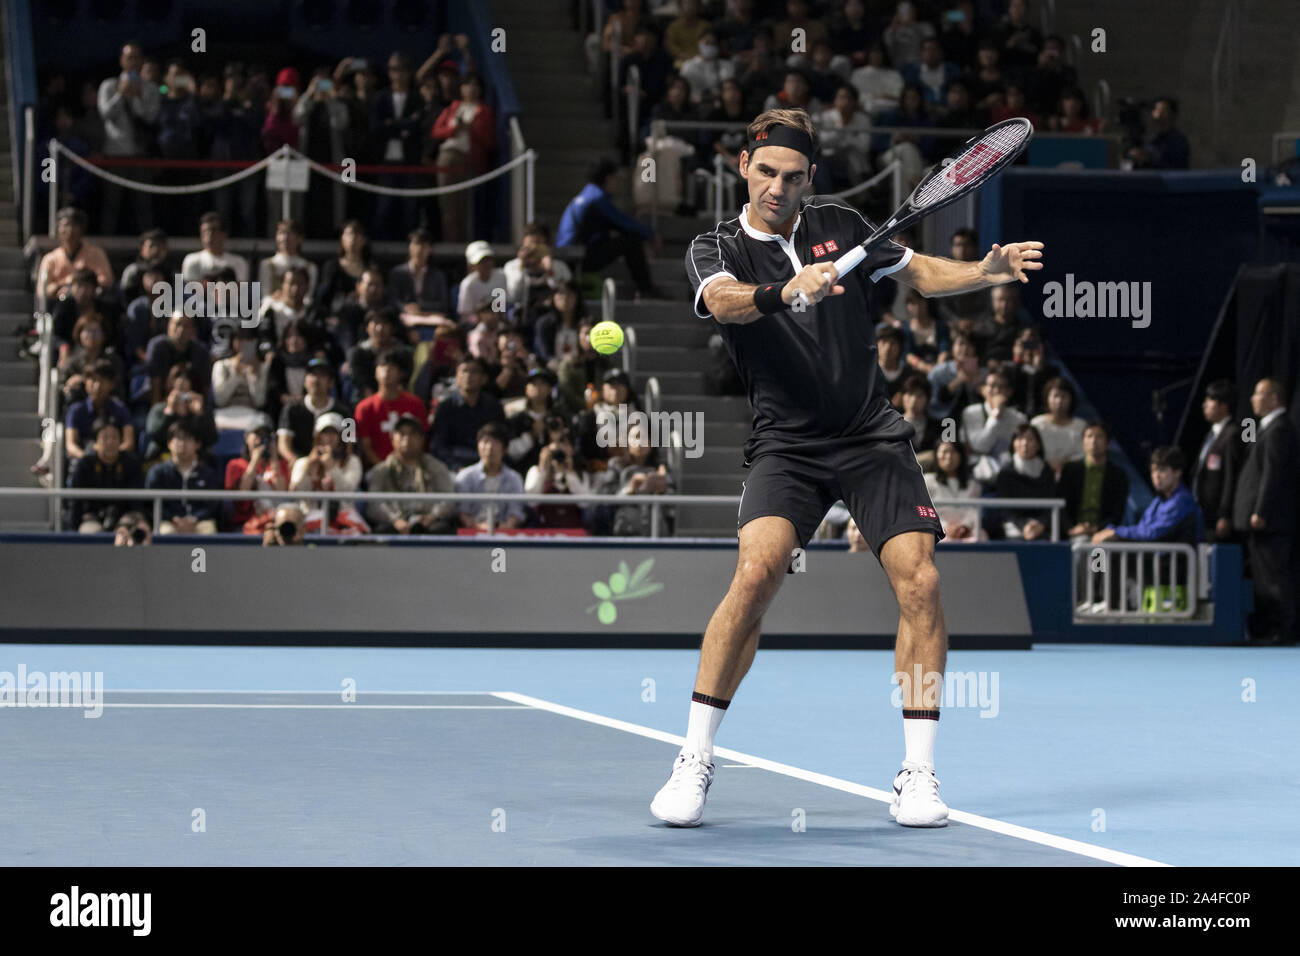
x: 680, y: 802
x: 916, y: 800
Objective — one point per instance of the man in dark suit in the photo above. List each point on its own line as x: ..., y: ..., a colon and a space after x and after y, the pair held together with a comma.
x: 1095, y: 489
x: 396, y: 115
x: 419, y: 287
x: 1264, y: 512
x: 1215, y: 481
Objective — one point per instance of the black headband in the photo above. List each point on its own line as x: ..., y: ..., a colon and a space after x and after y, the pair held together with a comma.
x: 780, y: 135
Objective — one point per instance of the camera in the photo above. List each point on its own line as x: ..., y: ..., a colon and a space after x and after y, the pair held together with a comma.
x: 138, y: 534
x: 287, y: 530
x: 560, y: 457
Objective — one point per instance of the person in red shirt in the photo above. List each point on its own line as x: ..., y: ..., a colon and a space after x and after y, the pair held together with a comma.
x: 261, y: 468
x: 466, y: 133
x: 377, y: 414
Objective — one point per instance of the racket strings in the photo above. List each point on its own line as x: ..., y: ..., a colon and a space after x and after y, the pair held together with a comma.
x: 973, y: 162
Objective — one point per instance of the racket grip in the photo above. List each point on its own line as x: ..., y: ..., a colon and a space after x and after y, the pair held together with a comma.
x: 850, y: 260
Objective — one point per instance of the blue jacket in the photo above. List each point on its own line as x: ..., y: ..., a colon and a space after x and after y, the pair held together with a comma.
x: 1167, y: 519
x: 165, y: 475
x: 590, y: 216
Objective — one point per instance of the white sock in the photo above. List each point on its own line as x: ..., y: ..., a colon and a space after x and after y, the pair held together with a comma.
x: 703, y: 725
x: 918, y: 736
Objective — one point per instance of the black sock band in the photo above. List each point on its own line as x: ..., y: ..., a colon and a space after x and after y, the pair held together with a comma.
x: 920, y: 714
x: 698, y: 698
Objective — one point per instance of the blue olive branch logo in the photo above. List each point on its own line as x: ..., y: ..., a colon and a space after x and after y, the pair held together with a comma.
x: 623, y: 585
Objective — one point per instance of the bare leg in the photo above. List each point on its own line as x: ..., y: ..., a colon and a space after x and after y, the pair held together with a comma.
x: 732, y: 636
x: 908, y: 559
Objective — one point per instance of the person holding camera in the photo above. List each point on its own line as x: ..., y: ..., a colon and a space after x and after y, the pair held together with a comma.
x: 329, y: 466
x: 184, y: 402
x: 556, y: 474
x: 132, y: 531
x: 261, y: 469
x: 286, y: 529
x: 515, y: 364
x: 409, y: 469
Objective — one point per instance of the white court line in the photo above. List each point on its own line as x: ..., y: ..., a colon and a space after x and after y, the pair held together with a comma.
x: 319, y: 706
x: 333, y: 692
x: 848, y: 786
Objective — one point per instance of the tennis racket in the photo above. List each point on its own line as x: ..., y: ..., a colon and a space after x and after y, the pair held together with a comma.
x: 980, y: 159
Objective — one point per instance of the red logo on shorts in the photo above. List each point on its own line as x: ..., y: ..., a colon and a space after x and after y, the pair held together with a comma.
x: 831, y: 247
x: 819, y: 250
x: 925, y: 512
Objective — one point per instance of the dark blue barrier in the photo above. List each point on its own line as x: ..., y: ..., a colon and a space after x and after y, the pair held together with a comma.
x: 22, y: 81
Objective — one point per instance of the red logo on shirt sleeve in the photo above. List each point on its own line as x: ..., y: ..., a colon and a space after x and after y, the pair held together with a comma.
x: 926, y: 512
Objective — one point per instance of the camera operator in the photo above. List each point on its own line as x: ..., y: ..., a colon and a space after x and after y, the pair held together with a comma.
x: 132, y: 531
x: 556, y: 474
x: 286, y: 529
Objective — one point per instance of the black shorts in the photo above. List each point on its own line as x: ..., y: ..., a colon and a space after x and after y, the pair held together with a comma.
x: 879, y: 480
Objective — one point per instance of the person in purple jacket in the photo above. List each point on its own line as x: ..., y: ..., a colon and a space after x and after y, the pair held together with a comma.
x: 1173, y: 514
x: 591, y: 219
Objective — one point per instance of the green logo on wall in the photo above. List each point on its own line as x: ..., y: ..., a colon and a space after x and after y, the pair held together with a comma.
x: 623, y: 586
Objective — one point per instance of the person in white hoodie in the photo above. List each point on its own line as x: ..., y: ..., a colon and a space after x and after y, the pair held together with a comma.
x: 951, y: 479
x: 988, y: 427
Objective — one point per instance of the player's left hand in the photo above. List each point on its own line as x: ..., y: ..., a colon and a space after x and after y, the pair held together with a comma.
x: 1012, y: 262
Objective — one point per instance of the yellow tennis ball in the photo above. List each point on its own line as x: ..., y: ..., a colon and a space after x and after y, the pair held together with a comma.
x: 606, y: 337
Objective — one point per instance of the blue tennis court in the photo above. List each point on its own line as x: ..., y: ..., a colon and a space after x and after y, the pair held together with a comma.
x: 1098, y: 755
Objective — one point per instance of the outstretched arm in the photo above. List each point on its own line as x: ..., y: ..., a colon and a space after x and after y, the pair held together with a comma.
x: 936, y: 276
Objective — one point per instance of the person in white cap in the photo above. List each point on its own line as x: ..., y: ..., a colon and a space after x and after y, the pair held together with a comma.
x: 484, y: 278
x: 331, y: 465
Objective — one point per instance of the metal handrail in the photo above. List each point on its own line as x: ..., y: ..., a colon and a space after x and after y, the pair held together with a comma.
x: 1081, y: 552
x: 629, y: 350
x: 29, y: 173
x: 633, y: 107
x: 615, y: 54
x: 651, y: 398
x: 1223, y: 68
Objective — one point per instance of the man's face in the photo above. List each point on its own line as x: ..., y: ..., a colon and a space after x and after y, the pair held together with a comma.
x: 613, y: 393
x: 293, y: 287
x: 183, y: 448
x: 1004, y: 303
x: 151, y: 250
x: 408, y: 441
x: 399, y: 75
x: 843, y: 100
x: 131, y: 58
x: 536, y: 389
x: 1165, y: 479
x: 485, y: 266
x: 1213, y: 410
x: 778, y: 176
x: 489, y: 451
x: 69, y: 233
x: 180, y: 330
x: 370, y: 288
x: 1094, y: 443
x: 287, y: 241
x: 1026, y: 446
x: 468, y: 377
x: 889, y: 351
x: 96, y: 388
x: 380, y: 332
x: 318, y: 382
x: 962, y: 350
x: 108, y: 443
x: 958, y: 99
x: 418, y: 250
x: 83, y: 293
x: 389, y: 377
x: 963, y: 248
x: 796, y: 87
x: 211, y: 235
x: 995, y: 385
x: 931, y: 54
x: 1262, y: 400
x: 915, y: 403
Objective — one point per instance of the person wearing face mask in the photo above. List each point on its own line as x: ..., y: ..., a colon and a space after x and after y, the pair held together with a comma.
x: 706, y: 70
x: 239, y: 382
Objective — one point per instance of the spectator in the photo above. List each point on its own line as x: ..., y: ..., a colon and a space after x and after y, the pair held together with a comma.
x: 213, y: 256
x: 72, y: 254
x: 623, y: 23
x: 346, y: 325
x: 988, y: 81
x: 152, y: 255
x: 578, y: 372
x: 825, y: 75
x: 1264, y: 514
x: 959, y: 34
x: 288, y: 257
x: 286, y: 527
x: 1015, y: 104
x: 82, y: 299
x: 914, y: 403
x: 286, y: 374
x: 482, y: 281
x: 925, y: 340
x: 419, y: 286
x: 1214, y: 482
x: 636, y: 470
x: 547, y: 269
x: 239, y: 383
x: 84, y: 356
x: 322, y: 118
x: 1095, y: 489
x: 592, y: 219
x: 288, y: 304
x: 1030, y: 372
x: 705, y: 70
x: 482, y: 338
x: 988, y: 428
x: 932, y: 73
x: 1019, y: 40
x: 462, y: 414
x: 951, y: 479
x: 956, y: 382
x: 1167, y: 147
x: 329, y: 465
x: 911, y: 150
x: 739, y: 27
x: 905, y: 35
x: 534, y: 286
x: 844, y: 132
x: 466, y: 130
x: 654, y: 66
x: 681, y: 145
x: 556, y: 333
x: 128, y: 104
x: 299, y: 418
x: 728, y: 143
x: 408, y: 469
x: 104, y: 465
x: 889, y: 347
x: 1009, y: 320
x: 381, y: 330
x: 527, y: 419
x: 969, y: 311
x: 377, y: 414
x: 259, y: 469
x: 490, y: 475
x: 683, y: 35
x: 1172, y: 514
x: 514, y: 364
x: 762, y: 72
x: 132, y: 531
x: 1052, y: 77
x: 143, y: 324
x: 183, y: 403
x: 878, y: 83
x: 180, y: 131
x: 279, y: 129
x: 958, y: 112
x: 99, y: 381
x: 795, y: 93
x: 600, y: 418
x: 184, y: 472
x: 1026, y: 475
x: 1071, y: 115
x: 236, y: 127
x: 1059, y: 429
x: 342, y: 272
x: 555, y: 472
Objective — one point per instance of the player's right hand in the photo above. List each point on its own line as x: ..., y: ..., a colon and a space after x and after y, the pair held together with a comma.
x: 815, y: 281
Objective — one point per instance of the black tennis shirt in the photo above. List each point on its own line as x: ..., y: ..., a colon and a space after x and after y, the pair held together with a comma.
x: 812, y: 376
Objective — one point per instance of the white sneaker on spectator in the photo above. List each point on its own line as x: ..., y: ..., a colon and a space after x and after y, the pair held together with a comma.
x: 680, y: 802
x: 916, y: 800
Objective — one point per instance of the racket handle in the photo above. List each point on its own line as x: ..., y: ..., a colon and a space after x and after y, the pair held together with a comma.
x: 850, y: 260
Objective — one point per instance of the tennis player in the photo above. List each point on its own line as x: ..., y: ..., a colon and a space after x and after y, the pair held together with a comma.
x: 823, y: 430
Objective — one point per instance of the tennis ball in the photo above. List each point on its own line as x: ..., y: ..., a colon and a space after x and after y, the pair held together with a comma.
x: 606, y: 337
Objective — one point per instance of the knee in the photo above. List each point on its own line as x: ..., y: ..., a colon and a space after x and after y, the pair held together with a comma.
x: 757, y: 581
x: 918, y: 589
